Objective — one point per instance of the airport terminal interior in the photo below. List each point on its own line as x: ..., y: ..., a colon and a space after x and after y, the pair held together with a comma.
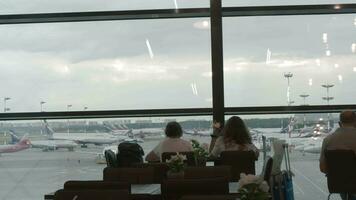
x: 80, y: 77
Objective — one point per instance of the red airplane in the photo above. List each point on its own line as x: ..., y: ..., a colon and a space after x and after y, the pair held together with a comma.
x: 23, y: 144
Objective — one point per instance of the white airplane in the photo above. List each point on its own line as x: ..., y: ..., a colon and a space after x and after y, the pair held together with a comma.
x: 47, y: 145
x: 199, y: 132
x: 313, y: 145
x: 116, y: 129
x: 51, y: 145
x: 84, y: 138
x: 131, y: 135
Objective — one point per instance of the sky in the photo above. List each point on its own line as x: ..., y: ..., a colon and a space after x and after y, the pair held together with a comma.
x: 147, y: 64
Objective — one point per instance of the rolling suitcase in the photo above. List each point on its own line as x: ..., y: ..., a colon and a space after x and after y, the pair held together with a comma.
x: 282, y: 183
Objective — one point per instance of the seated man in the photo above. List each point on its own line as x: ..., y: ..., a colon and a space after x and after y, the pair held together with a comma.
x: 172, y: 143
x: 343, y: 138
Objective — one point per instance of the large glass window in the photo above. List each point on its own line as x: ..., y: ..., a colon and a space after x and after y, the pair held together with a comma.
x: 315, y: 54
x: 55, y: 157
x: 106, y: 65
x: 43, y: 6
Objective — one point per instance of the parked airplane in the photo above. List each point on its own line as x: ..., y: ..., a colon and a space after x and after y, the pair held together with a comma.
x: 46, y: 145
x: 84, y: 138
x: 51, y: 145
x: 197, y: 132
x: 313, y: 145
x: 124, y: 132
x: 115, y: 129
x: 23, y: 144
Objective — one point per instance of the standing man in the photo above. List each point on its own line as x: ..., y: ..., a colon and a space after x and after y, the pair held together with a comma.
x: 343, y: 138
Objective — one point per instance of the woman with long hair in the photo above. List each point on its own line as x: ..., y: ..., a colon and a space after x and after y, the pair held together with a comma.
x: 235, y: 137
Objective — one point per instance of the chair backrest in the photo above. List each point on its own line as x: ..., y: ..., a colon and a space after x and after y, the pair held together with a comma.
x: 240, y: 162
x: 208, y: 172
x: 159, y: 170
x: 176, y: 188
x: 110, y: 158
x: 341, y: 171
x: 267, y: 169
x: 91, y: 194
x: 189, y: 154
x: 97, y: 185
x: 131, y: 175
x: 211, y: 197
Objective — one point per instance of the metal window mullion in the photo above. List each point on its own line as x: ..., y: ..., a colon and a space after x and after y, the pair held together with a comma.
x: 106, y: 114
x: 289, y: 10
x: 217, y: 60
x: 288, y: 109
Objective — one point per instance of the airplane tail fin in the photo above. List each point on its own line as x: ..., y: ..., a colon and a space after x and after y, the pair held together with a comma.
x: 48, y: 130
x: 14, y: 138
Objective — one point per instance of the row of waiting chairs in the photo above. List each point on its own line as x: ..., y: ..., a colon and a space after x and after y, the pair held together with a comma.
x: 151, y: 173
x: 240, y: 162
x: 210, y: 180
x: 123, y: 195
x: 170, y: 189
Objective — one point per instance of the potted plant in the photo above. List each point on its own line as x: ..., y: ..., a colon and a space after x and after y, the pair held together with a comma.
x: 253, y: 187
x: 200, y: 153
x: 176, y: 166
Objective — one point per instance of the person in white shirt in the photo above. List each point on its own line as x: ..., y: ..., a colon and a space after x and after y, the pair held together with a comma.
x: 172, y: 143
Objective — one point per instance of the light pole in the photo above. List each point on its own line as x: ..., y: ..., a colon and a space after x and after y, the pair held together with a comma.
x: 5, y: 100
x: 328, y: 99
x: 68, y: 107
x: 304, y: 96
x: 288, y: 76
x: 41, y: 105
x: 327, y: 86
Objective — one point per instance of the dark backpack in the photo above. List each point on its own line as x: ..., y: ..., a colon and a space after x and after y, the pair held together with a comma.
x: 129, y: 153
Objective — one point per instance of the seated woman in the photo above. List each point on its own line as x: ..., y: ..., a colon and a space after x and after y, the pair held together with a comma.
x: 172, y: 143
x: 235, y: 137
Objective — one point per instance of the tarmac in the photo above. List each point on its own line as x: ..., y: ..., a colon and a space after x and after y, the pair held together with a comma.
x: 30, y: 174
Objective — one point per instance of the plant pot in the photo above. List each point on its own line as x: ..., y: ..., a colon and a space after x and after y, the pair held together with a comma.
x: 175, y: 175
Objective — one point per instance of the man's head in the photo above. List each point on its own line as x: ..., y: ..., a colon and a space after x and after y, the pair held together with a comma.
x: 347, y: 118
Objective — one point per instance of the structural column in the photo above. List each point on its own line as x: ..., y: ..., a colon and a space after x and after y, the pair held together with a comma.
x: 217, y: 60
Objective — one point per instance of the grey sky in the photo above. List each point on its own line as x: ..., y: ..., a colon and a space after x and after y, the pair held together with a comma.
x: 106, y: 65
